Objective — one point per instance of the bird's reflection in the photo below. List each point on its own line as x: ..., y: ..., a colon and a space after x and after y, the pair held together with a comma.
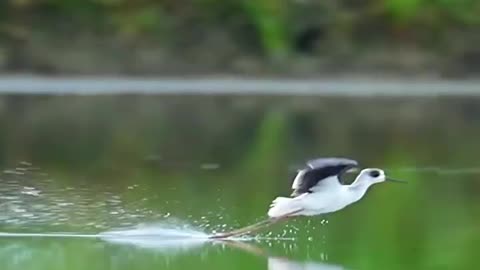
x: 186, y: 244
x: 275, y: 263
x: 55, y: 250
x: 282, y: 263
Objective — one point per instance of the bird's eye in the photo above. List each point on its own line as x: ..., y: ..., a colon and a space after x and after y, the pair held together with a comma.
x: 374, y: 174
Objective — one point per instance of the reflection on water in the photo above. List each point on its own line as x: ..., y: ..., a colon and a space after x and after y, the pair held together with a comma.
x: 285, y: 264
x: 121, y: 252
x: 29, y: 197
x: 281, y: 263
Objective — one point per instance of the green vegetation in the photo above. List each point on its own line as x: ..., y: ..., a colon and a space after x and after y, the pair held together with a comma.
x: 433, y: 14
x: 272, y: 25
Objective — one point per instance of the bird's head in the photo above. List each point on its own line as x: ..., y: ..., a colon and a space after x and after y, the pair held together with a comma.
x: 374, y: 175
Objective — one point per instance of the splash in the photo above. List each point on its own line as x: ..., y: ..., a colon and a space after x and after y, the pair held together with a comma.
x: 161, y: 237
x: 31, y: 198
x: 165, y: 231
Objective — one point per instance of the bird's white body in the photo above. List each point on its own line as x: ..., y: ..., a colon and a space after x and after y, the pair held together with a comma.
x: 317, y: 190
x: 327, y: 196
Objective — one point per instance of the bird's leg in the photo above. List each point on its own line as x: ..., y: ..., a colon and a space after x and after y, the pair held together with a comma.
x: 254, y: 227
x: 244, y: 230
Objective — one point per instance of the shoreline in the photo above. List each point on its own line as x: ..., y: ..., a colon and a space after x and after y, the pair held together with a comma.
x: 234, y: 85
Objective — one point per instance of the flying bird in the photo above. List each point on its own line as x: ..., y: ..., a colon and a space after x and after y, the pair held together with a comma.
x: 317, y: 189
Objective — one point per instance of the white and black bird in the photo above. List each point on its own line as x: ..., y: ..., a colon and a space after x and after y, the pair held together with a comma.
x: 317, y: 190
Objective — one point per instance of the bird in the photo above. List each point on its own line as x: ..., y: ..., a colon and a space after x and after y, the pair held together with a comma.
x: 318, y: 189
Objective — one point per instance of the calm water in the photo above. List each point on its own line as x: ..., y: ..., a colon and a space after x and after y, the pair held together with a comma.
x: 136, y: 182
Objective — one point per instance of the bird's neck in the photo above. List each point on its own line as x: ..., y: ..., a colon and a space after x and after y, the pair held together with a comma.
x: 359, y: 188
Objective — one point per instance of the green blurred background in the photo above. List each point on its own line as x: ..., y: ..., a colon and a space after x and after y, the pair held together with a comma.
x: 254, y: 37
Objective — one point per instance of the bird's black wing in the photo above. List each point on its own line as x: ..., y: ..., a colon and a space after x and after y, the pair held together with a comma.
x: 319, y: 169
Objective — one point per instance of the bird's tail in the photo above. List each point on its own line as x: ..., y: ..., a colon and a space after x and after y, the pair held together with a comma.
x: 282, y: 206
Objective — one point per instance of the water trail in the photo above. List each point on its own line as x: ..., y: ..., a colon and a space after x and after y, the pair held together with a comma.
x: 164, y: 239
x: 49, y: 235
x: 160, y: 239
x: 154, y: 231
x: 157, y: 230
x: 30, y: 199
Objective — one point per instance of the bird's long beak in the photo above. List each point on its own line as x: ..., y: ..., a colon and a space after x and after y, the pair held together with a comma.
x: 396, y: 180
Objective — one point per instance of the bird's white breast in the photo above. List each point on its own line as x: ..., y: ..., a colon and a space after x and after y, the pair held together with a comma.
x: 327, y: 200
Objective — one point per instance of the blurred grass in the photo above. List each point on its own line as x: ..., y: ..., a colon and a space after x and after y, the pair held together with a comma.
x: 273, y: 21
x: 438, y: 13
x: 270, y: 20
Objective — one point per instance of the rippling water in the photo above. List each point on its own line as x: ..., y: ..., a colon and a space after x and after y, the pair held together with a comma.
x: 31, y: 197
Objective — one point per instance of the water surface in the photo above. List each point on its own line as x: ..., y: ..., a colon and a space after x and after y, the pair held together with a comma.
x: 166, y: 170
